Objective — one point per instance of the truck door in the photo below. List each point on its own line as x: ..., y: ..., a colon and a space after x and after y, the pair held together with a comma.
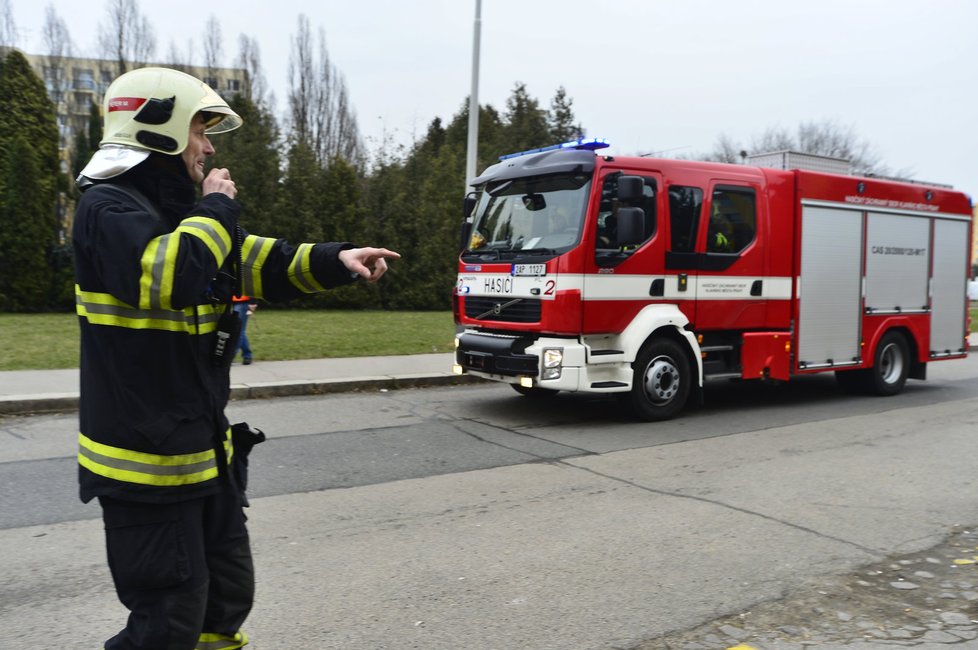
x: 620, y: 279
x: 948, y: 315
x: 830, y: 286
x: 685, y: 211
x: 728, y: 265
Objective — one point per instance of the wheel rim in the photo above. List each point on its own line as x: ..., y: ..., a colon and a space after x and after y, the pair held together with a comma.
x: 661, y: 380
x: 891, y: 364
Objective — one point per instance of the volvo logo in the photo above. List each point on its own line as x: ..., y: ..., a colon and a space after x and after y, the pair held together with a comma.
x: 498, y: 308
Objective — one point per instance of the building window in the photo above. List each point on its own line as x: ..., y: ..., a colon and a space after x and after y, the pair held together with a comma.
x: 64, y: 130
x: 212, y: 82
x: 234, y: 85
x: 84, y: 79
x: 83, y: 104
x: 104, y: 80
x: 51, y: 77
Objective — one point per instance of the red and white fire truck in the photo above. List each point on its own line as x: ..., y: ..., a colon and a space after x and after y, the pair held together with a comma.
x: 647, y: 277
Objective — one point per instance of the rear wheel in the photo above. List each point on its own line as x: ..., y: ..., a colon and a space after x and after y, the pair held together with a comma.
x: 661, y: 381
x: 891, y: 365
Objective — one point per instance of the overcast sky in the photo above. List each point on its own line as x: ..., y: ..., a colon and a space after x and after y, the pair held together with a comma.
x: 650, y: 75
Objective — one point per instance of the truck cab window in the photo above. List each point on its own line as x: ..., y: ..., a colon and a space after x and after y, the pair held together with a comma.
x: 733, y: 220
x: 534, y: 216
x: 607, y: 247
x: 685, y: 204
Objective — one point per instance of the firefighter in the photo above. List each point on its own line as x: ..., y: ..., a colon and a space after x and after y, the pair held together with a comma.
x: 156, y: 269
x: 719, y: 236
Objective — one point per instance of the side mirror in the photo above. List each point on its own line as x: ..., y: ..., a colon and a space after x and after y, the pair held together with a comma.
x: 631, y: 226
x: 464, y: 233
x: 630, y: 189
x: 468, y: 204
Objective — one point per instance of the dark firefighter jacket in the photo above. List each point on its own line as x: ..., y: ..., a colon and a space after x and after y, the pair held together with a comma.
x: 148, y: 296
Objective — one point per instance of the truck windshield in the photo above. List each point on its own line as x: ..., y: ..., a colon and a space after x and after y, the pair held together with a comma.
x: 529, y: 216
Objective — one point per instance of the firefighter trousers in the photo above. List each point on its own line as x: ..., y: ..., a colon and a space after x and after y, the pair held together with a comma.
x: 184, y: 571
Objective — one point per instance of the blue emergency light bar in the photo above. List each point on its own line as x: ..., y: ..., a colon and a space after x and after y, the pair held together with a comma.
x: 589, y: 144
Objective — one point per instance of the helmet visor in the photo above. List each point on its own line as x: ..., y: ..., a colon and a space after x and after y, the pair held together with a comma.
x: 220, y: 119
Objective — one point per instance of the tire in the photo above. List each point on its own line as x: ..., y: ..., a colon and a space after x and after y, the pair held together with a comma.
x: 661, y: 381
x: 891, y: 365
x: 535, y: 391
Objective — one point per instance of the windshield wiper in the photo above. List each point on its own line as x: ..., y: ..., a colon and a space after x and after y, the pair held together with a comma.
x: 538, y: 251
x: 484, y: 253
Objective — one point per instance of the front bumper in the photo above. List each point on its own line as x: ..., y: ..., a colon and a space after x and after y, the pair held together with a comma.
x: 515, y: 359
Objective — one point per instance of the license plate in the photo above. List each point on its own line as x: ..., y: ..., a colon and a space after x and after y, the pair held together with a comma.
x: 530, y: 269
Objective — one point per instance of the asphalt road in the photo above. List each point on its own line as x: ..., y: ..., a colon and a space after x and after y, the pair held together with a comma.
x: 469, y: 517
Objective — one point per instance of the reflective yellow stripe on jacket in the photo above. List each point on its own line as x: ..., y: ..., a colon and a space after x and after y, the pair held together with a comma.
x: 149, y: 469
x: 300, y: 271
x: 105, y: 309
x: 160, y: 257
x: 254, y: 252
x: 209, y: 641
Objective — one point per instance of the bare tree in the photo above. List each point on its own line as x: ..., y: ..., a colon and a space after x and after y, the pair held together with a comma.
x: 213, y: 46
x: 319, y: 104
x: 725, y: 150
x: 774, y: 138
x: 176, y: 59
x: 126, y: 36
x: 301, y: 73
x: 249, y: 59
x: 57, y: 77
x: 832, y: 139
x: 8, y: 28
x: 823, y: 138
x: 57, y: 40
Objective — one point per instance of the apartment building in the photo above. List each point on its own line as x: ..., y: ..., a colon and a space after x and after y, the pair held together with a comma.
x: 74, y: 84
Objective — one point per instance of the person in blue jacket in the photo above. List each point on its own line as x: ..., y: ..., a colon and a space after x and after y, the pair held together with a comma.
x: 244, y: 306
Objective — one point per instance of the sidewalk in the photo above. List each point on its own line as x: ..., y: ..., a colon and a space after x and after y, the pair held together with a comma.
x: 35, y: 391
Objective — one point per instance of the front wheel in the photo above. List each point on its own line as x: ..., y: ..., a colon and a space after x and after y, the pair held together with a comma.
x: 661, y: 381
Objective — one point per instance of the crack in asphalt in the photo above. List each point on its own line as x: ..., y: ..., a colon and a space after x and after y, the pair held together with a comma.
x: 874, y: 553
x: 456, y: 425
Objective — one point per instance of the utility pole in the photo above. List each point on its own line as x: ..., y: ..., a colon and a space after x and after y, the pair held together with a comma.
x: 473, y: 144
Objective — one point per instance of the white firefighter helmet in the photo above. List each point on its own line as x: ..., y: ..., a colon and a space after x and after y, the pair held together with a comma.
x: 150, y: 109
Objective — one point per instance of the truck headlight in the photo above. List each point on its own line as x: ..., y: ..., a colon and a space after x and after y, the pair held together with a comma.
x: 553, y: 359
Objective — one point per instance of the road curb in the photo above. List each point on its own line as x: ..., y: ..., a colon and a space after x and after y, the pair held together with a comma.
x: 294, y: 388
x: 61, y: 402
x: 31, y: 404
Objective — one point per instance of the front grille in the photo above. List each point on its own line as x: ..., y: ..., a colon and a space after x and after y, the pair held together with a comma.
x: 507, y: 310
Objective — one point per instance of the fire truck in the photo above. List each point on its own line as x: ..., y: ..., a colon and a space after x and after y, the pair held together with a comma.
x: 645, y: 278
